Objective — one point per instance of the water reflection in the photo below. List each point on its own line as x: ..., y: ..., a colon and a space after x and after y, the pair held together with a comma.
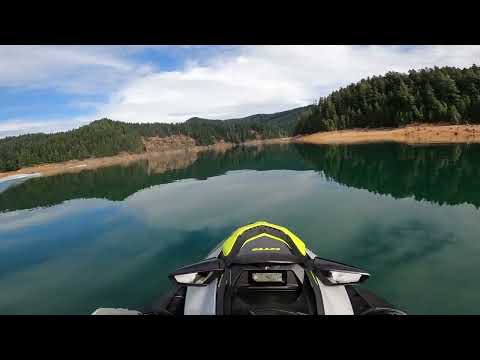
x: 110, y: 237
x: 441, y: 174
x: 444, y: 174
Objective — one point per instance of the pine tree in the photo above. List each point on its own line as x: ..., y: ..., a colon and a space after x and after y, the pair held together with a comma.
x: 453, y: 114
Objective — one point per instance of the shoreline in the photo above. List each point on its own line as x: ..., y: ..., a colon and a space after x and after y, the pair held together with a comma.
x: 19, y: 176
x: 72, y: 166
x: 416, y: 134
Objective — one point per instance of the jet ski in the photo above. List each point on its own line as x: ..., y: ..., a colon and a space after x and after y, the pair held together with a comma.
x: 265, y: 269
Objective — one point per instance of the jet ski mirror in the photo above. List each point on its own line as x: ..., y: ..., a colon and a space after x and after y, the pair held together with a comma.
x: 335, y: 273
x: 198, y: 274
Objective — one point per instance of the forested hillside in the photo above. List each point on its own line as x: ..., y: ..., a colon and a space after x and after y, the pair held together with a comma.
x: 106, y: 137
x: 435, y: 95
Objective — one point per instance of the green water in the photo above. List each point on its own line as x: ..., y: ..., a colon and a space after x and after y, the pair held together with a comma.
x: 108, y: 238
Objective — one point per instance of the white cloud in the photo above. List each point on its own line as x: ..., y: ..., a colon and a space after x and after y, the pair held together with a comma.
x: 256, y: 79
x: 211, y: 82
x: 76, y: 69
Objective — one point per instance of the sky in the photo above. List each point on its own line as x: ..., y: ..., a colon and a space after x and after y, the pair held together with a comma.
x: 56, y: 88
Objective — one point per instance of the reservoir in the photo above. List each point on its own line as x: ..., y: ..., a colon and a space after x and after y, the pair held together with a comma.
x: 109, y: 237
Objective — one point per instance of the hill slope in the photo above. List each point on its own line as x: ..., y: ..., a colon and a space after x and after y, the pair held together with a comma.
x: 285, y: 120
x: 435, y: 95
x: 106, y: 137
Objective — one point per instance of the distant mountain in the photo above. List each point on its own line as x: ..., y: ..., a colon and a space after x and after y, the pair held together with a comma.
x: 106, y: 137
x: 284, y: 119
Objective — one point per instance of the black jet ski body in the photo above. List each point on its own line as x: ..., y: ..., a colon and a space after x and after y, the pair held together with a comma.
x: 265, y: 269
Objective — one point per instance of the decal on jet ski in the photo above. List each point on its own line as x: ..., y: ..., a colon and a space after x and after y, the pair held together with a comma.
x: 266, y: 249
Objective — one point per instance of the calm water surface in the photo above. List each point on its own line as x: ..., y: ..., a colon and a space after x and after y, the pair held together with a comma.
x: 109, y: 237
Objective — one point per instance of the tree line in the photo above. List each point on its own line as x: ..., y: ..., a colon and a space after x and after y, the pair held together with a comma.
x: 432, y: 95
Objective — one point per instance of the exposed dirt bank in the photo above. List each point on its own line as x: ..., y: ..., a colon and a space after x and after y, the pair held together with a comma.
x: 414, y: 134
x: 285, y: 140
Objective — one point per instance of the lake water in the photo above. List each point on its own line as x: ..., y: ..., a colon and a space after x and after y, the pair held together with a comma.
x: 109, y: 237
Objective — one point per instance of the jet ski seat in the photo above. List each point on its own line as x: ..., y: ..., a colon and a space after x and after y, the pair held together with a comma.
x: 263, y: 242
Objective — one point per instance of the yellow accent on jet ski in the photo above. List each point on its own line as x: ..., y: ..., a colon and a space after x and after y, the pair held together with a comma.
x: 267, y: 235
x: 230, y: 241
